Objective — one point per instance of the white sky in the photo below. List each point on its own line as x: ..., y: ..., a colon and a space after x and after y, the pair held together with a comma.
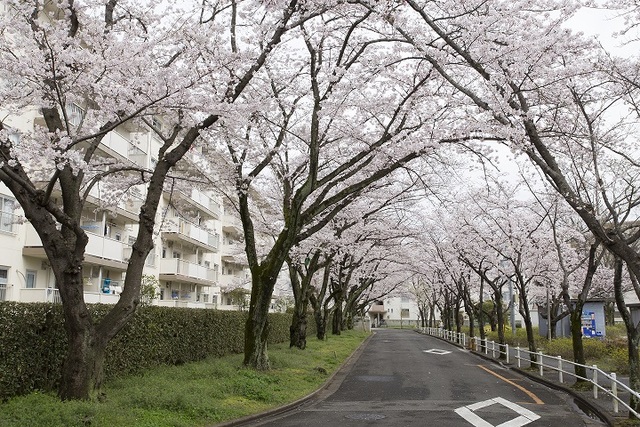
x: 602, y: 24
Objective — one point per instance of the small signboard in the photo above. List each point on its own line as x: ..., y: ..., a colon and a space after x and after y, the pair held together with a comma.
x: 589, y: 325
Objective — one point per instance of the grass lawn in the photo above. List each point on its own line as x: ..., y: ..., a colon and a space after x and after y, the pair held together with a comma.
x: 196, y: 394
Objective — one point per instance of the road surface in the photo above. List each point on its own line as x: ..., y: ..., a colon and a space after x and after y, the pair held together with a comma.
x: 402, y: 378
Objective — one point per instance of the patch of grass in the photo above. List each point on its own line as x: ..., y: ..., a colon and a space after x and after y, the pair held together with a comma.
x: 195, y: 394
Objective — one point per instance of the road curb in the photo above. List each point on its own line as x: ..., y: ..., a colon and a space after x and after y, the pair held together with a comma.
x: 340, y: 371
x: 600, y: 412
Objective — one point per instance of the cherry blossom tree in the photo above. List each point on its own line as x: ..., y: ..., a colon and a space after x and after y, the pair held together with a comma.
x: 124, y: 63
x: 550, y: 94
x: 320, y: 130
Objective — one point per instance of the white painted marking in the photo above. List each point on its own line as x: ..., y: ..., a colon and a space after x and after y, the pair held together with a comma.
x: 524, y: 417
x: 436, y: 351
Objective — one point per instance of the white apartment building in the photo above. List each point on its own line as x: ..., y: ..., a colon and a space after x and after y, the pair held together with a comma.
x: 197, y: 254
x: 394, y: 311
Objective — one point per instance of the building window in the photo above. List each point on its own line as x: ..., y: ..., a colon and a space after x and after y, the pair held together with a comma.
x: 7, y: 217
x: 75, y: 114
x: 4, y: 274
x: 31, y: 279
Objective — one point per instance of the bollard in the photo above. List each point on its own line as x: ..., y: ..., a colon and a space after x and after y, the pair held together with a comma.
x: 595, y: 381
x: 614, y: 392
x: 506, y: 349
x: 560, y: 376
x: 518, y: 355
x: 541, y: 364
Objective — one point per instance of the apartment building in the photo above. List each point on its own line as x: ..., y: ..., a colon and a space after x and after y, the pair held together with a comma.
x: 394, y: 311
x: 196, y: 257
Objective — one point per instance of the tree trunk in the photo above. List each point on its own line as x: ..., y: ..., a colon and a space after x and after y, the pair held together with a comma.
x: 483, y: 335
x: 337, y: 319
x: 82, y: 367
x: 256, y: 329
x: 576, y: 341
x: 298, y: 330
x: 82, y: 370
x: 500, y: 316
x: 633, y: 334
x: 526, y: 315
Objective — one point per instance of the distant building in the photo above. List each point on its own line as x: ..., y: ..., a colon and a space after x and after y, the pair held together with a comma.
x: 394, y: 311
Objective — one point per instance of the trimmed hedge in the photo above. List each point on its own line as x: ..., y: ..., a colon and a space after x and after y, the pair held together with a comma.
x: 33, y: 341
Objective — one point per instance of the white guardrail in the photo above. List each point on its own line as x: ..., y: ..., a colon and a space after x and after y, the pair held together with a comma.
x: 542, y: 361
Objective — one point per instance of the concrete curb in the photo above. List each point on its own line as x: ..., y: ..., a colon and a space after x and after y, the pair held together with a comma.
x: 598, y: 411
x: 332, y: 382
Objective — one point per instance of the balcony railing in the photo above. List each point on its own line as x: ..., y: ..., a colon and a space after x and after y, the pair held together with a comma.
x: 98, y: 246
x: 117, y: 143
x: 205, y: 201
x: 40, y: 295
x: 192, y: 231
x: 185, y: 268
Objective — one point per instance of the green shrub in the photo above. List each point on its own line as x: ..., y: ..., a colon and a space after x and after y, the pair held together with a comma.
x: 33, y: 341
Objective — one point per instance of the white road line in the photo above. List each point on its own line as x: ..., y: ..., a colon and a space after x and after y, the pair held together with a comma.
x: 524, y: 417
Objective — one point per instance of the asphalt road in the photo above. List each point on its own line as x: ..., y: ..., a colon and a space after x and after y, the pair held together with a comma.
x: 402, y: 378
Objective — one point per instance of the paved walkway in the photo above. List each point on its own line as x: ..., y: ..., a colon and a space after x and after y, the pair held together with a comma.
x: 402, y: 378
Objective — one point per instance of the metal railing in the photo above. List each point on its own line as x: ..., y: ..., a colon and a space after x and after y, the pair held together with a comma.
x: 3, y: 291
x: 455, y: 337
x: 598, y: 378
x: 601, y: 381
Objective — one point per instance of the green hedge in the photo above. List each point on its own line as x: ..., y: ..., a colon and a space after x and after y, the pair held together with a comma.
x: 33, y: 341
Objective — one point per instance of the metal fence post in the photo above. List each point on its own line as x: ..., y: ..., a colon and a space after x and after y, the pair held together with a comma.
x: 493, y: 349
x: 614, y: 391
x: 541, y: 363
x: 518, y: 355
x: 595, y: 381
x: 486, y: 346
x: 506, y: 349
x: 560, y: 376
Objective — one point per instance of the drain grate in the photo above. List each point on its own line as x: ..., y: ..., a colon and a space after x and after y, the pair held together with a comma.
x: 365, y: 417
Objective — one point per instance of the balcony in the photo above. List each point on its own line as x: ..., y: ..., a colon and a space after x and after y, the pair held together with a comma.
x: 179, y: 270
x: 185, y: 304
x: 53, y: 295
x: 200, y: 201
x: 232, y: 224
x: 99, y: 251
x: 180, y: 229
x: 127, y: 207
x: 117, y: 144
x: 40, y: 295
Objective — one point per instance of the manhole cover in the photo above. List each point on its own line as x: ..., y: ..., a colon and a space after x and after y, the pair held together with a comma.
x: 365, y: 417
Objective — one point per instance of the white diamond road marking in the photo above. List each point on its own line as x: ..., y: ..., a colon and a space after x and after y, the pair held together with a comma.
x: 436, y: 351
x: 525, y: 416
